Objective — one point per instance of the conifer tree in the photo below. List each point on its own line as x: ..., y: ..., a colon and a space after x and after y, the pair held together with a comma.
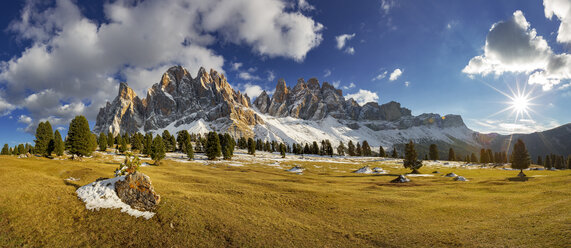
x: 59, y: 147
x: 44, y: 136
x: 123, y: 145
x: 394, y: 154
x: 433, y: 152
x: 110, y: 140
x: 358, y: 150
x: 569, y: 162
x: 183, y: 138
x: 411, y: 158
x: 539, y: 160
x: 147, y: 144
x: 315, y: 148
x: 282, y: 150
x: 520, y: 157
x: 22, y: 149
x: 79, y: 137
x: 382, y: 152
x: 328, y: 148
x: 102, y: 142
x: 213, y: 148
x: 136, y: 142
x: 366, y: 149
x: 118, y: 141
x: 547, y: 164
x: 92, y: 142
x: 188, y: 149
x: 158, y: 150
x: 341, y: 149
x: 473, y: 158
x: 351, y: 148
x: 6, y: 150
x: 484, y: 156
x: 451, y: 155
x: 251, y: 146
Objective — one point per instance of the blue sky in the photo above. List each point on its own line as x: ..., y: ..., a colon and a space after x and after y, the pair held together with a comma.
x: 63, y: 58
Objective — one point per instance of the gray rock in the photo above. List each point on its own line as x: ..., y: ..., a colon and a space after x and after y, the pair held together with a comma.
x: 460, y: 178
x: 138, y: 192
x: 451, y: 174
x: 400, y: 179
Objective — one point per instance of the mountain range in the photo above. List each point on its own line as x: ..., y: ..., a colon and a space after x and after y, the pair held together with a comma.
x: 308, y: 112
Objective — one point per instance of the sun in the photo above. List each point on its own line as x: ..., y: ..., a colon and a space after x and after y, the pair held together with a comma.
x: 520, y: 104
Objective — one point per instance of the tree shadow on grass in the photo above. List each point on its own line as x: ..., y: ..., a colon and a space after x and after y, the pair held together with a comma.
x: 363, y: 175
x: 518, y: 179
x: 68, y: 183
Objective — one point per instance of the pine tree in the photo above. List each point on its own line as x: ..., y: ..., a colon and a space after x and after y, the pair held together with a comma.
x: 59, y: 147
x: 227, y: 144
x: 251, y: 146
x: 22, y: 149
x: 451, y: 155
x: 102, y: 142
x: 92, y: 142
x: 79, y: 136
x: 282, y: 150
x: 484, y: 156
x: 351, y: 148
x: 433, y: 152
x: 136, y: 142
x: 366, y: 149
x: 410, y: 158
x: 547, y: 164
x: 358, y: 150
x: 473, y: 158
x: 539, y: 160
x: 341, y: 149
x: 6, y: 150
x: 123, y: 145
x: 44, y: 136
x: 158, y: 150
x: 394, y: 154
x: 188, y: 149
x: 382, y: 152
x: 328, y: 148
x: 213, y: 146
x: 315, y: 148
x: 148, y: 144
x: 110, y: 140
x: 118, y: 141
x: 181, y: 138
x: 520, y: 157
x: 569, y: 162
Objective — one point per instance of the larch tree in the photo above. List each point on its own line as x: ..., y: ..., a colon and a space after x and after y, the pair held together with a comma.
x: 433, y: 152
x: 520, y: 157
x: 59, y: 146
x: 158, y: 150
x: 411, y: 158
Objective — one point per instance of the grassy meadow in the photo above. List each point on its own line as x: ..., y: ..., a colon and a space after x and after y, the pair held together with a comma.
x: 257, y: 205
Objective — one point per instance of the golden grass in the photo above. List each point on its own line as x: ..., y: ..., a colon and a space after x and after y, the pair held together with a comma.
x: 256, y: 205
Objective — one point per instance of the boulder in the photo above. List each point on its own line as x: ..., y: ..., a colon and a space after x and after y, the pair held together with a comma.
x: 400, y: 179
x: 451, y: 174
x: 460, y: 178
x: 364, y: 170
x: 296, y: 169
x: 436, y: 172
x: 138, y: 192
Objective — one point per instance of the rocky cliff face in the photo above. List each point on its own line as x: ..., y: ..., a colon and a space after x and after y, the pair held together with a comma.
x: 179, y: 99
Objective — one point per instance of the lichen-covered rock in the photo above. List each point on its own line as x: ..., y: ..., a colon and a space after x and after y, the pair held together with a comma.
x: 138, y: 192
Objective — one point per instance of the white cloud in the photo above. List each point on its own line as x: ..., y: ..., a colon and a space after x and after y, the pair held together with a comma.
x: 271, y: 76
x: 395, y: 74
x: 336, y: 83
x: 305, y: 6
x: 247, y: 76
x: 72, y: 60
x: 380, y: 76
x: 561, y: 9
x: 25, y: 119
x: 363, y: 96
x: 350, y: 50
x: 387, y: 5
x: 351, y: 85
x: 406, y: 84
x: 236, y: 66
x: 327, y: 73
x: 342, y: 40
x: 513, y: 46
x: 252, y: 90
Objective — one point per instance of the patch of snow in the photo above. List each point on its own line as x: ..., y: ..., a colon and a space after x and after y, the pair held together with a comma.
x: 102, y: 194
x: 364, y: 170
x: 295, y: 169
x: 72, y: 179
x: 236, y: 164
x: 460, y: 178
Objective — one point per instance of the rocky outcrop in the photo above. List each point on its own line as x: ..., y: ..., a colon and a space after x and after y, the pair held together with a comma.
x: 138, y: 192
x: 179, y: 99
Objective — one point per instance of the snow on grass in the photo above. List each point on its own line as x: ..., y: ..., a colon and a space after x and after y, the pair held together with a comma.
x: 419, y: 175
x: 296, y: 169
x: 235, y: 164
x: 364, y: 170
x: 101, y: 194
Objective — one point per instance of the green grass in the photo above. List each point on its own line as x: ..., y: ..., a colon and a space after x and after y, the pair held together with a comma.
x: 259, y: 206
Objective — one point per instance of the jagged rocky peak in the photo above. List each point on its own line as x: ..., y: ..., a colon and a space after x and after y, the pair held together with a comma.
x: 178, y: 99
